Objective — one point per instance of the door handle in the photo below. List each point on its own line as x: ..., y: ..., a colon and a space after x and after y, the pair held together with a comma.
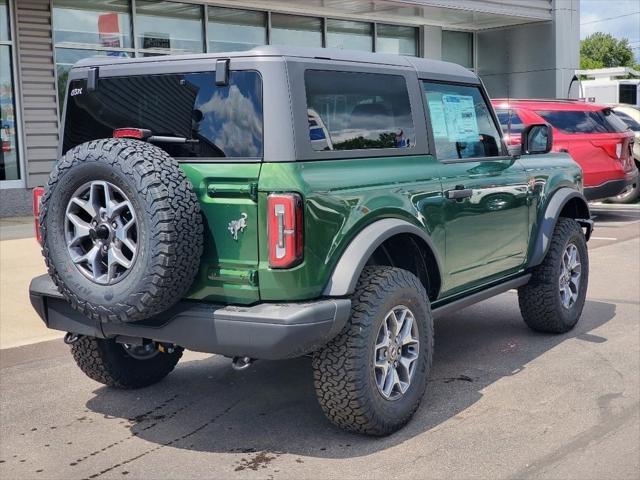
x: 459, y: 193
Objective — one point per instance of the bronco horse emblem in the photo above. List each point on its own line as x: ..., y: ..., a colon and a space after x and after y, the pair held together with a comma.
x: 239, y: 225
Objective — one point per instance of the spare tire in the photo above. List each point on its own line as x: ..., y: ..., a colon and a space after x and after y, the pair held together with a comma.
x: 121, y: 230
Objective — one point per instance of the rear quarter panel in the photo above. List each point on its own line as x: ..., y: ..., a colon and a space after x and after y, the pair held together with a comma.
x: 341, y: 197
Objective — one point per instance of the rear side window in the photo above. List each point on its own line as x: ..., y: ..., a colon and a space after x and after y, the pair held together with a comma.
x: 510, y: 121
x: 461, y: 121
x: 355, y: 111
x: 205, y: 120
x: 576, y: 121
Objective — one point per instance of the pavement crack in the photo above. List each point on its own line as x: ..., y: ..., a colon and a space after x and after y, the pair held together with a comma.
x: 168, y: 443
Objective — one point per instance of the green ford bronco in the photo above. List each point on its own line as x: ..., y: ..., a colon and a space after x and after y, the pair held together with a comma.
x: 276, y: 203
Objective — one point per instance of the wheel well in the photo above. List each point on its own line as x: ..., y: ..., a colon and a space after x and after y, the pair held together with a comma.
x: 575, y: 208
x: 410, y: 252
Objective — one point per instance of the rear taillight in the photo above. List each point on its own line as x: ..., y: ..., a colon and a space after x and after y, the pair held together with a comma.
x: 38, y: 192
x: 285, y: 228
x: 137, y: 133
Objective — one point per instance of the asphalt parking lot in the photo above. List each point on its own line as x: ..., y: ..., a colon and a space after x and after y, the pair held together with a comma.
x: 502, y: 402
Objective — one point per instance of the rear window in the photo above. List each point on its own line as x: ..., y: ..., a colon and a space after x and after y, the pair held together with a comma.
x: 510, y: 121
x: 206, y: 120
x: 354, y: 111
x: 575, y: 121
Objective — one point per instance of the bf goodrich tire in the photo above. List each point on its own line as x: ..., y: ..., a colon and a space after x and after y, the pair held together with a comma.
x: 553, y: 300
x: 121, y: 230
x: 351, y: 373
x: 112, y: 364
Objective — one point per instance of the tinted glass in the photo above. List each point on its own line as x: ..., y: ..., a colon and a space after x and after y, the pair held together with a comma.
x: 457, y: 47
x: 169, y: 27
x: 92, y: 22
x: 461, y: 121
x: 628, y: 93
x: 352, y: 111
x: 510, y: 121
x: 296, y: 30
x: 575, y: 121
x: 4, y: 21
x: 66, y: 57
x: 216, y: 121
x: 232, y: 30
x: 396, y: 39
x: 349, y: 35
x: 9, y: 166
x: 630, y: 122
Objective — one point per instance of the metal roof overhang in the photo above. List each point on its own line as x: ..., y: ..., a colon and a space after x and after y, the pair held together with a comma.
x: 472, y: 15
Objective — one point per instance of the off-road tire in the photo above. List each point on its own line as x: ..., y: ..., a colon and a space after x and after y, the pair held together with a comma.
x: 170, y: 231
x: 539, y: 300
x: 343, y: 370
x: 107, y: 362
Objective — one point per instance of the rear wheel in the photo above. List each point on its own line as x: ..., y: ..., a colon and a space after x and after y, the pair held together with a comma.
x: 553, y: 300
x: 372, y: 376
x: 121, y: 365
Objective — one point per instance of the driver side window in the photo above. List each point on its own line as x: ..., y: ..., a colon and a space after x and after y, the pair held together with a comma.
x: 461, y: 121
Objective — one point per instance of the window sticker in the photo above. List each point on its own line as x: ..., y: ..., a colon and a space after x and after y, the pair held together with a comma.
x: 436, y: 111
x: 460, y: 116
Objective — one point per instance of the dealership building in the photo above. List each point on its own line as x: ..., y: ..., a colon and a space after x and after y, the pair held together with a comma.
x: 520, y: 48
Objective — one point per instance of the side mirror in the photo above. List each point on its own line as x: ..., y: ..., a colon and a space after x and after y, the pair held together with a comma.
x: 537, y: 138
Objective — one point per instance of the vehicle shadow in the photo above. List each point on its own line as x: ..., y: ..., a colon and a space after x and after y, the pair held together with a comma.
x: 271, y: 407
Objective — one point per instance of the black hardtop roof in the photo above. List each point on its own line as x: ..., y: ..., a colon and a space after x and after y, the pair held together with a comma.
x: 422, y: 66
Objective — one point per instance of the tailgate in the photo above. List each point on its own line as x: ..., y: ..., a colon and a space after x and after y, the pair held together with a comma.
x: 226, y: 191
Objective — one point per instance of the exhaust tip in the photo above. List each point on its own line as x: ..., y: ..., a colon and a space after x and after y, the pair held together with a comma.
x: 241, y: 363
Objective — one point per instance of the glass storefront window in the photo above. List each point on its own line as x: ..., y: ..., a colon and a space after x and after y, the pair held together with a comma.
x: 349, y: 35
x: 169, y: 27
x: 295, y: 30
x: 66, y: 57
x: 4, y: 21
x: 9, y: 162
x: 396, y: 39
x: 92, y: 22
x: 457, y: 47
x: 232, y: 30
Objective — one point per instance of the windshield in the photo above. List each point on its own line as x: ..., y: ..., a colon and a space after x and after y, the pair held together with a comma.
x: 630, y: 122
x: 210, y: 120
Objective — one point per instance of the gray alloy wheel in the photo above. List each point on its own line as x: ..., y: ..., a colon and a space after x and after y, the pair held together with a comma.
x: 395, y: 353
x: 101, y: 232
x: 569, y: 280
x: 141, y: 352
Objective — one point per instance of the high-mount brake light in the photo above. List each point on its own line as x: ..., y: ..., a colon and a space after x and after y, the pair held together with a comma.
x: 285, y: 229
x: 38, y: 192
x: 136, y: 133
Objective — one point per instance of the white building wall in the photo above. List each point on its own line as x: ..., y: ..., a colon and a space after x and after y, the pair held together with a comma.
x: 535, y: 60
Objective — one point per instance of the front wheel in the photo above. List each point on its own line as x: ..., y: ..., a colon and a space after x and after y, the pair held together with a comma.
x: 372, y: 376
x: 553, y: 300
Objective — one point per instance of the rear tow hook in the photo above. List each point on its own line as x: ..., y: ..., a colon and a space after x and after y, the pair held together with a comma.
x: 70, y: 338
x: 241, y: 363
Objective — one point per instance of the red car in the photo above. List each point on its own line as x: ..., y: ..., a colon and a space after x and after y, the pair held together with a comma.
x: 595, y: 137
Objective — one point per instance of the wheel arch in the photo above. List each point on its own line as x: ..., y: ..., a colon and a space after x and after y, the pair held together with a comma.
x: 564, y: 202
x: 386, y: 234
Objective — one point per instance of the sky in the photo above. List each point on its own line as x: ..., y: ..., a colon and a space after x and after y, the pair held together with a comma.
x: 620, y: 18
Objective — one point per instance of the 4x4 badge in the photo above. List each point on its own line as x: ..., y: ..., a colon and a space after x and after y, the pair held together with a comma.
x: 239, y: 225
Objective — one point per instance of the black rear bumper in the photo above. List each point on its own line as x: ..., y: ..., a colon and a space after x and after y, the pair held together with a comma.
x: 267, y: 330
x: 610, y: 188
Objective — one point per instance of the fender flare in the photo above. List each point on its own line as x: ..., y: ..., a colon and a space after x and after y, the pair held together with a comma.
x: 345, y: 275
x: 559, y: 199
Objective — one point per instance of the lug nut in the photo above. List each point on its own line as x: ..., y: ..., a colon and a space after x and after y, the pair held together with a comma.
x: 114, y: 225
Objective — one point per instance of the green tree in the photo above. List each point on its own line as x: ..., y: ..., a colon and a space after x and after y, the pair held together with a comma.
x: 602, y: 50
